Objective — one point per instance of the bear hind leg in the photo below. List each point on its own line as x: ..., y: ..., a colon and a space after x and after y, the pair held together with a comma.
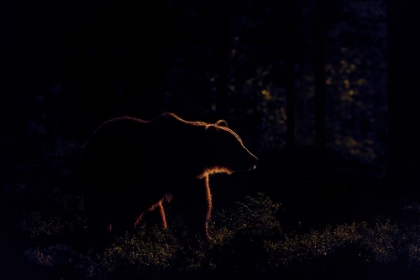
x: 159, y: 207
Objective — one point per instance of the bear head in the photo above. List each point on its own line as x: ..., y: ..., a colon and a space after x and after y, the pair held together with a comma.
x: 205, y: 147
x: 226, y: 151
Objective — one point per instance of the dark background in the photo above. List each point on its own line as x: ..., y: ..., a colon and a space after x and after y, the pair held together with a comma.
x: 304, y: 83
x: 71, y: 66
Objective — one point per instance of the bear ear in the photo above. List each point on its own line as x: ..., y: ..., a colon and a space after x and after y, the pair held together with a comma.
x: 221, y: 123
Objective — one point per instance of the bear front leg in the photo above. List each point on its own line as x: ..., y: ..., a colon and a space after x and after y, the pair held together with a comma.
x: 194, y: 204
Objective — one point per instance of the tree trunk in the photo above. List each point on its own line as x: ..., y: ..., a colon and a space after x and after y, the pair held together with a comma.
x: 289, y: 73
x: 320, y: 75
x: 404, y: 137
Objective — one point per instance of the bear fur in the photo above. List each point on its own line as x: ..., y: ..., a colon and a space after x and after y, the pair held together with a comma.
x: 131, y: 166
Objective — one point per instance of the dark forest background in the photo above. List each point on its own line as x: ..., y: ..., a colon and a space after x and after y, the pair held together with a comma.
x: 320, y: 91
x: 256, y: 64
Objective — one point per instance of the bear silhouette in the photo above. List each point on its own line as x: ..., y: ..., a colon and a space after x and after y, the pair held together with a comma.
x: 131, y: 166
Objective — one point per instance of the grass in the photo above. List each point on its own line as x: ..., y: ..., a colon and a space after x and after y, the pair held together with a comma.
x: 248, y: 240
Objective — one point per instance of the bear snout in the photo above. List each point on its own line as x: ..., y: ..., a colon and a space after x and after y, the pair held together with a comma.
x: 246, y: 164
x: 253, y: 167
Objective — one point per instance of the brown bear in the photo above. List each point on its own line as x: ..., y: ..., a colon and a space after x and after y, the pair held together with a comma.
x: 131, y: 166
